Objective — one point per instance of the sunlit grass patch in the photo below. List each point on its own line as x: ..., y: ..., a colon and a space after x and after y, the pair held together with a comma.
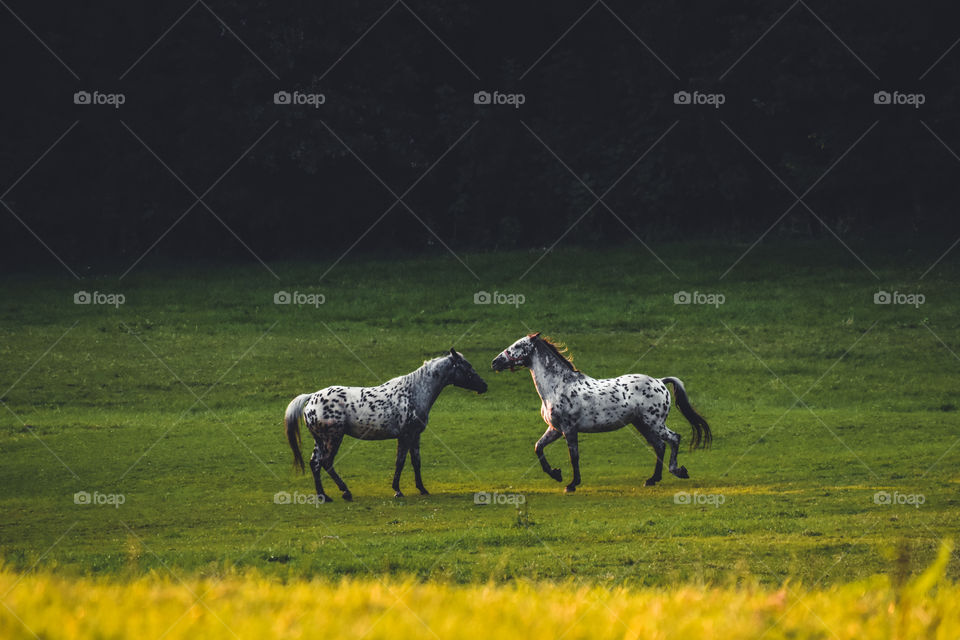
x: 257, y: 606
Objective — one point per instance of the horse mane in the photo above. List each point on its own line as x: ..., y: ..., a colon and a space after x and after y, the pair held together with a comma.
x: 560, y: 350
x: 431, y: 361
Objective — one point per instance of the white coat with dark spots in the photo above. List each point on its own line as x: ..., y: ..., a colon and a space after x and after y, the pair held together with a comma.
x: 573, y: 402
x: 397, y: 409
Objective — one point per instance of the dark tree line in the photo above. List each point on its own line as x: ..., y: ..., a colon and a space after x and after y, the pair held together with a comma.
x: 399, y: 119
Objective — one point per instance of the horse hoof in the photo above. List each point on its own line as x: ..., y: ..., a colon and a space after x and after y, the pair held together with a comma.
x: 569, y: 488
x: 682, y: 473
x: 557, y: 475
x: 348, y: 496
x: 324, y: 498
x: 398, y: 495
x: 424, y: 492
x: 650, y: 483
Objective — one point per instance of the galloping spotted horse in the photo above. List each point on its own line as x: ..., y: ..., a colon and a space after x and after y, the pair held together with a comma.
x: 573, y: 403
x: 397, y: 409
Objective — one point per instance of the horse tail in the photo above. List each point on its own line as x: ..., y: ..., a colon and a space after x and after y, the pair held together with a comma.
x: 292, y: 420
x: 702, y: 436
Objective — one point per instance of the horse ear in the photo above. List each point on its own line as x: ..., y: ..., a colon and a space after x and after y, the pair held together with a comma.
x: 534, y: 336
x: 453, y: 353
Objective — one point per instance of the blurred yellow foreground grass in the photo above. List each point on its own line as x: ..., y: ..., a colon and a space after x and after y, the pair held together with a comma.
x: 251, y: 606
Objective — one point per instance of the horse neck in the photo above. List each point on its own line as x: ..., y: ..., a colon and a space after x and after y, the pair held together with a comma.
x: 424, y: 387
x: 549, y: 374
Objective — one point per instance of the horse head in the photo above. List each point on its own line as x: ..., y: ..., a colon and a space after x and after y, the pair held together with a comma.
x: 519, y: 354
x: 462, y: 374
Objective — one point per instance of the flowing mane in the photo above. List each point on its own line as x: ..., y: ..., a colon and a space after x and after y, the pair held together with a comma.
x: 560, y: 350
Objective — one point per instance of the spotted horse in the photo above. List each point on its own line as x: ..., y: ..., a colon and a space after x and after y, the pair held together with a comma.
x: 397, y: 409
x: 574, y: 403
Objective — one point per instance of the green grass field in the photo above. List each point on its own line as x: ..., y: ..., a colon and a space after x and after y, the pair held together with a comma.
x: 174, y: 400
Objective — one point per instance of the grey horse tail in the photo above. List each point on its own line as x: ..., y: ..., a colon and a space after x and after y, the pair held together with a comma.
x: 702, y: 436
x: 292, y: 420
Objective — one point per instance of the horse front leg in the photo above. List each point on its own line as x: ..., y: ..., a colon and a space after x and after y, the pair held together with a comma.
x: 548, y: 436
x: 573, y: 446
x: 415, y: 461
x: 402, y: 448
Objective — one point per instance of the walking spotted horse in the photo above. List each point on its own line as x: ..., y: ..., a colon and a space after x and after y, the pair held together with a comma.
x: 574, y: 403
x: 397, y: 409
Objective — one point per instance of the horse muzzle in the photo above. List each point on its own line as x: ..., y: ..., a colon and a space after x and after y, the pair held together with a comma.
x: 503, y: 362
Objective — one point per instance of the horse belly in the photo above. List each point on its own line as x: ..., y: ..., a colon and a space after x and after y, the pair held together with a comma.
x: 371, y: 425
x: 371, y: 432
x: 598, y: 414
x: 608, y: 423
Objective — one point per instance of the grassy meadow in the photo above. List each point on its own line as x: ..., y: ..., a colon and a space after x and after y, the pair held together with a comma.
x: 835, y: 423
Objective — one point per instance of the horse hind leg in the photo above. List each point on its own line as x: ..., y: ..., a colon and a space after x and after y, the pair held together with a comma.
x: 326, y: 462
x: 673, y: 438
x: 315, y: 467
x: 659, y: 448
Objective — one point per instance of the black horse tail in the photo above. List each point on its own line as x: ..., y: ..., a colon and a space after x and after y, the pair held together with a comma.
x: 292, y: 420
x: 702, y: 436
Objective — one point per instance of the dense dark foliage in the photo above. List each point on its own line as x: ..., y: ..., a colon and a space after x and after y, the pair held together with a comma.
x: 398, y: 99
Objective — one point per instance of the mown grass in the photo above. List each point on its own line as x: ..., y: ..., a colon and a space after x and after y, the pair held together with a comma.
x: 106, y: 400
